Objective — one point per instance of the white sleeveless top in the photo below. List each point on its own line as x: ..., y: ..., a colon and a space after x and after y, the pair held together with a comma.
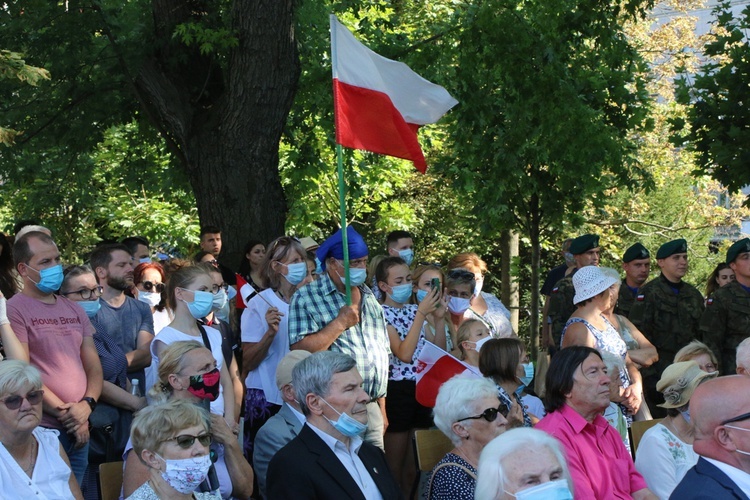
x: 50, y: 477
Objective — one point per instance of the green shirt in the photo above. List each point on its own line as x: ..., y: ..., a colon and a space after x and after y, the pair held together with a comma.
x: 725, y: 323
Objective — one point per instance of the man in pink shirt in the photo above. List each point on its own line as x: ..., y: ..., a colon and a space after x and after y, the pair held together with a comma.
x: 577, y: 394
x: 57, y: 337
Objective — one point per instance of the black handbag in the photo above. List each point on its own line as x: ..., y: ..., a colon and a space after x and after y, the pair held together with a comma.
x: 109, y: 430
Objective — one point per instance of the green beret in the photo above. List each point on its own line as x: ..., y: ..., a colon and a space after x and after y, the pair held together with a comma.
x: 671, y: 248
x: 584, y: 243
x: 739, y: 247
x: 637, y: 251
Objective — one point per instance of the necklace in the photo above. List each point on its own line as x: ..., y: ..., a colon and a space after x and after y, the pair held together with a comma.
x: 669, y: 424
x: 32, y: 460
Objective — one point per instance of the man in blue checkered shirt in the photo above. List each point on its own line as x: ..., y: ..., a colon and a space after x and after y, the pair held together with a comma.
x: 320, y: 319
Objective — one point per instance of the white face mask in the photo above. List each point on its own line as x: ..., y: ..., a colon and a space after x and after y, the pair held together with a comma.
x: 479, y: 343
x: 150, y: 298
x: 187, y: 474
x: 743, y: 430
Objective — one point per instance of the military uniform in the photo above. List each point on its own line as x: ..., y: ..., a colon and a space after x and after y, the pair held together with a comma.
x: 561, y: 306
x: 668, y: 314
x: 625, y: 299
x: 725, y: 323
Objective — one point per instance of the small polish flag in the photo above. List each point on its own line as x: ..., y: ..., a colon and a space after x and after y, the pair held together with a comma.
x: 379, y: 104
x: 435, y: 367
x: 246, y: 292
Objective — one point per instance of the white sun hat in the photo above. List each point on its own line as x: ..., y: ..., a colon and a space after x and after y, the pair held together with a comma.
x: 590, y: 281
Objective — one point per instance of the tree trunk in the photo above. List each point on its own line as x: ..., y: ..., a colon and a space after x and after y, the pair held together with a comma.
x: 509, y: 290
x: 535, y: 262
x: 223, y: 118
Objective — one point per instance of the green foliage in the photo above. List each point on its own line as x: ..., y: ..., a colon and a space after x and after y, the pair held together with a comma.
x: 12, y: 67
x: 125, y: 187
x: 718, y: 118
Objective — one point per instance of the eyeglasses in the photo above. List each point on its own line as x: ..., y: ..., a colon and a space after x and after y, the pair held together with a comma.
x: 282, y: 241
x: 215, y: 289
x: 185, y: 441
x: 214, y: 262
x: 148, y: 286
x: 490, y: 414
x: 86, y: 293
x: 708, y: 367
x: 432, y: 264
x: 742, y: 417
x: 14, y: 402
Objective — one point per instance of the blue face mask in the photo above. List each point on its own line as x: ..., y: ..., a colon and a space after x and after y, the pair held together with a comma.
x: 295, y: 272
x: 407, y: 255
x: 551, y: 490
x: 318, y: 266
x: 345, y: 424
x: 219, y: 300
x: 357, y: 275
x: 457, y: 305
x: 686, y: 414
x: 145, y: 260
x: 50, y: 279
x: 528, y: 369
x: 201, y: 305
x: 231, y: 293
x: 421, y: 294
x: 90, y: 307
x: 400, y: 293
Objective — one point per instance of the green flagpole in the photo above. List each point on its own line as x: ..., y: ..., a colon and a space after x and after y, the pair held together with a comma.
x: 344, y: 236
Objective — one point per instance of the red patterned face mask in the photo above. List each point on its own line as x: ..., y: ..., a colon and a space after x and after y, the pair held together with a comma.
x: 205, y: 386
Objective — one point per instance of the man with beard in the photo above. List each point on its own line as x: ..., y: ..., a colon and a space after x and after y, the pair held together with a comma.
x: 128, y: 321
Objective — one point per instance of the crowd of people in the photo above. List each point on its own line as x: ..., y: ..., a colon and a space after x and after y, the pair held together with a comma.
x: 298, y: 375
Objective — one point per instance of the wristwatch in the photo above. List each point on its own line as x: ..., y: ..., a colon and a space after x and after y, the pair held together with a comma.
x: 91, y: 402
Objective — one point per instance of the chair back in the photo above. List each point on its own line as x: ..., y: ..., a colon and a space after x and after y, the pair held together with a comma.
x: 430, y: 446
x: 110, y: 480
x: 638, y: 429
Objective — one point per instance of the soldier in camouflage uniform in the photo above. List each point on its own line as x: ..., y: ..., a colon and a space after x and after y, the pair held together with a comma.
x: 667, y: 310
x: 636, y: 262
x: 585, y: 250
x: 726, y: 320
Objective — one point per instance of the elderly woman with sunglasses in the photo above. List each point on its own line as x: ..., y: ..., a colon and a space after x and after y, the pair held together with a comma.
x: 188, y: 372
x: 172, y: 440
x: 468, y: 411
x: 32, y: 461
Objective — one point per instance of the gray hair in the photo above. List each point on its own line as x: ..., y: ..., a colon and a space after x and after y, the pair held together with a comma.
x: 457, y: 399
x: 743, y: 354
x: 71, y: 272
x: 313, y: 374
x: 490, y: 474
x: 14, y: 374
x: 612, y: 273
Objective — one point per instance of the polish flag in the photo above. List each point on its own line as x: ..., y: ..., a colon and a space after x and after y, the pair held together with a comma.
x: 379, y: 104
x: 245, y: 292
x: 434, y: 367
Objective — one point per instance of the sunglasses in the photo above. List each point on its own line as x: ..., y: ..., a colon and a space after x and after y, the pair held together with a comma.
x: 740, y: 418
x: 149, y: 286
x: 490, y: 414
x: 33, y: 397
x: 185, y: 441
x: 460, y: 274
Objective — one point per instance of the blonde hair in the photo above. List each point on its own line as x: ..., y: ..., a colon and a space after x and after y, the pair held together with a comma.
x: 158, y: 423
x: 172, y: 360
x: 462, y: 335
x: 693, y: 350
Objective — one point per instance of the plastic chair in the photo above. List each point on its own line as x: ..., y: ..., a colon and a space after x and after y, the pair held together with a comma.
x: 430, y: 446
x: 110, y: 480
x: 638, y: 429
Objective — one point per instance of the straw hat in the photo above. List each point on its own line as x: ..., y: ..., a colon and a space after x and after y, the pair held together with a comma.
x: 678, y: 382
x: 590, y: 281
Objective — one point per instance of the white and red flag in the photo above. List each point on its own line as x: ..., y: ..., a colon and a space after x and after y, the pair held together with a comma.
x: 379, y: 104
x: 434, y: 367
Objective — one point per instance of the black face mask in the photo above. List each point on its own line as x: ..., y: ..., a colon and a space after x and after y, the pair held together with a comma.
x: 205, y: 386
